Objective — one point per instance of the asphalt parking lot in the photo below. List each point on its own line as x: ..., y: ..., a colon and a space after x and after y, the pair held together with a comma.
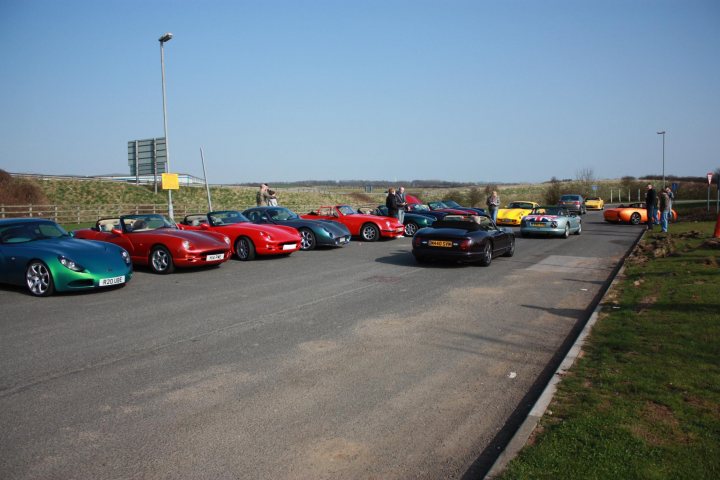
x: 344, y: 363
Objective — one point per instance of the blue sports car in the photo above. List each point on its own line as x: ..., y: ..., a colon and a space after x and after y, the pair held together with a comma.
x: 40, y: 255
x: 322, y: 233
x: 551, y: 220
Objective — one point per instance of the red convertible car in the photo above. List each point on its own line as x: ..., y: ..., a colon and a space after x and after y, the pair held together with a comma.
x: 247, y: 238
x: 367, y: 227
x: 155, y: 241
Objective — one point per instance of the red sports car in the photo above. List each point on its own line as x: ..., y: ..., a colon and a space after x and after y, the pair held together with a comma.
x: 155, y: 241
x: 367, y: 227
x: 247, y: 238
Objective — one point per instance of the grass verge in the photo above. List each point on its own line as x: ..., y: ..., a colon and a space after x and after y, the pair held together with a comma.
x: 643, y: 401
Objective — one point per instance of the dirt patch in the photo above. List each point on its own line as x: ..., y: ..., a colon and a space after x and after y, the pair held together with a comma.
x: 646, y: 303
x: 659, y: 427
x: 359, y: 197
x: 711, y: 243
x: 655, y: 246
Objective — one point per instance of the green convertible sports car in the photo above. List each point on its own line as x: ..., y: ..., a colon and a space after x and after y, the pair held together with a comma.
x: 42, y: 256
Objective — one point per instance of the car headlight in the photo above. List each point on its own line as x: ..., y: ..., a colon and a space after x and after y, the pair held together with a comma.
x: 330, y: 234
x: 66, y: 262
x: 227, y: 240
x: 186, y: 244
x: 266, y: 235
x: 126, y: 257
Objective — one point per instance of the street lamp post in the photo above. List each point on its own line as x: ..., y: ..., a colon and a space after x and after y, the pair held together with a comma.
x: 663, y: 136
x: 163, y: 39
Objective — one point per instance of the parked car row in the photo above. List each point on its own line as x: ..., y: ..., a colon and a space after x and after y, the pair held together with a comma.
x: 39, y: 254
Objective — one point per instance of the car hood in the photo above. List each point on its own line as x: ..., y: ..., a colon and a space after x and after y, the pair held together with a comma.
x: 338, y: 229
x: 88, y: 253
x: 279, y: 232
x: 198, y: 238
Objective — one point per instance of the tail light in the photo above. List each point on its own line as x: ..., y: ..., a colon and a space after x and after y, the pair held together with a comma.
x: 465, y: 245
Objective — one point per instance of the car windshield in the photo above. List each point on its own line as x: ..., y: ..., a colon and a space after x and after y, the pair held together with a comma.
x: 452, y: 203
x: 593, y: 199
x: 282, y: 214
x: 346, y: 210
x: 30, y: 231
x: 144, y: 223
x: 436, y: 205
x: 550, y: 210
x: 570, y: 198
x: 418, y: 207
x: 526, y: 205
x: 227, y: 217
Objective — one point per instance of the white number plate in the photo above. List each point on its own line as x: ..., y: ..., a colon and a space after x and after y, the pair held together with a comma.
x: 289, y: 247
x: 106, y: 282
x: 217, y: 256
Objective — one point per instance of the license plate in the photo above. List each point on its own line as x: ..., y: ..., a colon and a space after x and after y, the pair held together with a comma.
x: 217, y: 256
x: 342, y: 240
x: 289, y: 247
x: 106, y: 282
x: 440, y: 243
x: 538, y: 224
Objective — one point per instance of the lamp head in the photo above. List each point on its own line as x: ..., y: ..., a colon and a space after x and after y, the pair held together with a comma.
x: 661, y: 133
x: 166, y: 37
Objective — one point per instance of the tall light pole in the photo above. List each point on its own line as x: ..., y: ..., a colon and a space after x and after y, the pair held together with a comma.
x: 663, y: 135
x: 163, y: 39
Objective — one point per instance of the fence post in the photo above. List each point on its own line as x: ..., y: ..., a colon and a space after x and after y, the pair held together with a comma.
x: 78, y: 213
x: 2, y: 209
x: 55, y: 216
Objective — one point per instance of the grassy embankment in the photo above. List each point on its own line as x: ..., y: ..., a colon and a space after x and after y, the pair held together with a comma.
x: 644, y: 399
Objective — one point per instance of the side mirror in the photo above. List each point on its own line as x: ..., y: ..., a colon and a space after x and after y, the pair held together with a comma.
x: 204, y: 226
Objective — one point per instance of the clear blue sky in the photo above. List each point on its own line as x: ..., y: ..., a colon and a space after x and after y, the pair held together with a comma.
x: 290, y: 90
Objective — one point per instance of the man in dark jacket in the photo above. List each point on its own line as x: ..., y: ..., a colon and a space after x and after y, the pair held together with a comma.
x: 651, y: 206
x: 391, y: 202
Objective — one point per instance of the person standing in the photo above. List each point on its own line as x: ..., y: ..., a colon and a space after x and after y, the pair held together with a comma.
x: 493, y: 203
x: 271, y: 198
x: 650, y: 208
x: 391, y: 202
x: 402, y: 203
x: 665, y: 209
x: 261, y: 197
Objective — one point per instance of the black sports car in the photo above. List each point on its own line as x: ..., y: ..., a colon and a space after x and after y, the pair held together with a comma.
x: 463, y: 238
x: 313, y: 232
x: 457, y: 206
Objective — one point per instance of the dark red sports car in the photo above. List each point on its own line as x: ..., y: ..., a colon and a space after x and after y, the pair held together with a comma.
x: 155, y: 241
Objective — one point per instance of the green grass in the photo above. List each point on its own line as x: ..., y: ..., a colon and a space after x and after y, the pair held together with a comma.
x: 644, y: 400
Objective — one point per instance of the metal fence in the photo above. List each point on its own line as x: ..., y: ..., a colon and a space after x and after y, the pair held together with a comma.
x: 75, y: 214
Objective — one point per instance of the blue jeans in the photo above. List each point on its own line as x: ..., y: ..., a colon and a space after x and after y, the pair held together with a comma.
x: 493, y: 213
x: 664, y: 220
x: 652, y: 217
x: 401, y: 215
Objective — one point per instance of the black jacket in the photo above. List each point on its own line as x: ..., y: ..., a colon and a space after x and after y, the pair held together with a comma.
x: 650, y: 198
x: 391, y: 202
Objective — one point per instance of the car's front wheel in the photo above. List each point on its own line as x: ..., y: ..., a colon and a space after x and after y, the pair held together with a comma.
x: 161, y: 261
x: 244, y: 249
x: 307, y: 242
x: 566, y: 233
x: 369, y: 232
x: 410, y: 229
x: 39, y: 279
x: 579, y: 230
x: 635, y: 218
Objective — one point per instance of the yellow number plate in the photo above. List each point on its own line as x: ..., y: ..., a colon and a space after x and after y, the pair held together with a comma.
x: 538, y: 224
x: 440, y: 243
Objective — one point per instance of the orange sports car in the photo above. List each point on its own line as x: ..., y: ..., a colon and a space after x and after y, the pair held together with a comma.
x: 635, y: 213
